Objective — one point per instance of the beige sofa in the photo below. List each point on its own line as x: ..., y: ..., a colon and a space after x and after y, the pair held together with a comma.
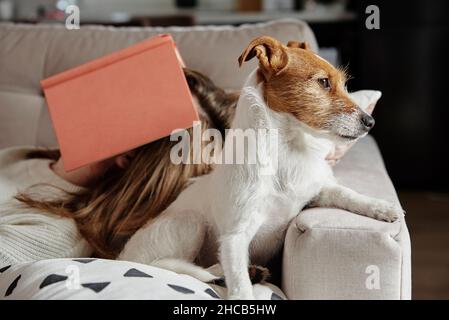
x: 328, y: 253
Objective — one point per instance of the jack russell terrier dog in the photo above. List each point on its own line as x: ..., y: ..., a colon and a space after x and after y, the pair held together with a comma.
x: 239, y: 214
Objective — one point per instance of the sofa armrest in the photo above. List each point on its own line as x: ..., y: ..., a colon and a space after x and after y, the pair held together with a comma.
x: 334, y: 254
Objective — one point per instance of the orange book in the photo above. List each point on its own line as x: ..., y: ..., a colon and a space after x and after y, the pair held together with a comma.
x: 119, y: 102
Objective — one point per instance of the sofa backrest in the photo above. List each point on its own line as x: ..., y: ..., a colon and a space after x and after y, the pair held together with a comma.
x: 31, y: 53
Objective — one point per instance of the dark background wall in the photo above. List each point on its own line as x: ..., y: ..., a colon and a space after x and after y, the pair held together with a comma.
x: 407, y: 60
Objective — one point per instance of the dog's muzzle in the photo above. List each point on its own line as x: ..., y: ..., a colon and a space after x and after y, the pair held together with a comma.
x: 352, y: 126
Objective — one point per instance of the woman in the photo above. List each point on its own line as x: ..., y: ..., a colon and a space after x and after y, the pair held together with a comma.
x: 46, y: 212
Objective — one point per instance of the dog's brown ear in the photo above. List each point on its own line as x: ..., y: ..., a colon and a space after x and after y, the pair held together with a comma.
x: 270, y: 52
x: 298, y: 44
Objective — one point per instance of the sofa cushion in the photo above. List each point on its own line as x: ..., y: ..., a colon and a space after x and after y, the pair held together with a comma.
x: 363, y: 170
x: 29, y: 54
x: 19, y: 115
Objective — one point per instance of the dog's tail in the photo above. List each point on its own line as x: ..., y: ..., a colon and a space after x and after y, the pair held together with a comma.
x: 218, y: 105
x: 184, y: 267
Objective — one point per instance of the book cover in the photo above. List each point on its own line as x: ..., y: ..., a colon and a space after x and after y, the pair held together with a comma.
x: 119, y: 102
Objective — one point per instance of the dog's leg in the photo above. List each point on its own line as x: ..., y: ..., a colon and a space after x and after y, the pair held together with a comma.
x: 234, y: 251
x: 335, y: 195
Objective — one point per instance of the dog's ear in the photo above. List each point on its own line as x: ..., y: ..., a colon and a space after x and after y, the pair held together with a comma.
x: 298, y: 44
x: 271, y: 53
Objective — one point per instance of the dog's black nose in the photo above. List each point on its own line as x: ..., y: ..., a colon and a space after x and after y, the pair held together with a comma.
x: 368, y: 121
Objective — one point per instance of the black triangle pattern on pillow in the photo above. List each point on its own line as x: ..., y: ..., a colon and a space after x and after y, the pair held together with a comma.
x: 84, y: 260
x: 53, y: 278
x: 274, y: 296
x: 212, y: 293
x: 12, y: 286
x: 136, y: 273
x: 4, y: 268
x: 180, y: 289
x: 96, y: 286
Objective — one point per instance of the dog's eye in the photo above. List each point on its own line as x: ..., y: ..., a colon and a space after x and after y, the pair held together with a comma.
x: 324, y: 82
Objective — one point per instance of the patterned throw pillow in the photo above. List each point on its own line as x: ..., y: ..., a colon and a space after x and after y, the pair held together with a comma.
x: 100, y: 279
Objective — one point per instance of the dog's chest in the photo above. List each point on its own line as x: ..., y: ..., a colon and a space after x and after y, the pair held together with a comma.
x: 295, y: 185
x: 296, y: 182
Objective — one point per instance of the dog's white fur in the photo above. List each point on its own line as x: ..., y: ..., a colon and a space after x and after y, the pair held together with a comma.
x: 243, y: 213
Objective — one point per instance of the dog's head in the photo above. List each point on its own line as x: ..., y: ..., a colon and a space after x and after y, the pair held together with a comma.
x: 299, y: 82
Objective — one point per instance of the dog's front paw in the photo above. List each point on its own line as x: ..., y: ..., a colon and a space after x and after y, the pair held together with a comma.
x: 386, y: 211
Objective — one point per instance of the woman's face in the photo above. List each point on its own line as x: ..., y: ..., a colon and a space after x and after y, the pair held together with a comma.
x: 123, y: 160
x: 87, y: 175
